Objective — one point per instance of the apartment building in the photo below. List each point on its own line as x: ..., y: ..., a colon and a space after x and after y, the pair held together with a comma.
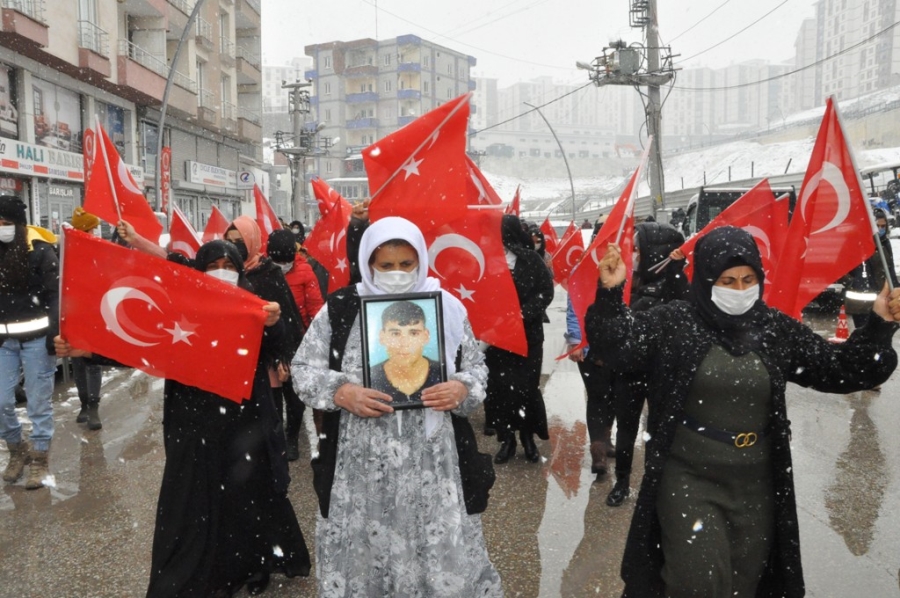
x: 64, y: 63
x: 365, y: 89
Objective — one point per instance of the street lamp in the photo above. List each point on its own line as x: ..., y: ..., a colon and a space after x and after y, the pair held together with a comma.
x: 563, y: 151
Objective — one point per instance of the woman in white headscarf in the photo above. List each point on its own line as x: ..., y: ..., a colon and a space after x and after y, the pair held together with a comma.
x: 398, y: 498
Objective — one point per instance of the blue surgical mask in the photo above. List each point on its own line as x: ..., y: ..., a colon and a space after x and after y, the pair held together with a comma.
x: 882, y: 232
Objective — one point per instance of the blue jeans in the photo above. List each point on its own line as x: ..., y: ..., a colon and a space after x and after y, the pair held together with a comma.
x: 40, y: 372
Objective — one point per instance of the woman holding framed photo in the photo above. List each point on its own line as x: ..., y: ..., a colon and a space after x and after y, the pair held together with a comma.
x: 400, y: 491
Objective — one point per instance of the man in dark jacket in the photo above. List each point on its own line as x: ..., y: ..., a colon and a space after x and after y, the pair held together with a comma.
x: 29, y: 319
x: 867, y: 279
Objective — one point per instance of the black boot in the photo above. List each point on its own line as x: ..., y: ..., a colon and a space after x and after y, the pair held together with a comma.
x: 293, y: 447
x: 530, y: 448
x: 507, y: 448
x: 93, y: 416
x: 619, y: 492
x: 258, y: 584
x: 82, y: 415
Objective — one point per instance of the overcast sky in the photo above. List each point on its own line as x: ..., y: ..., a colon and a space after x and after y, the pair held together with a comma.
x: 516, y: 40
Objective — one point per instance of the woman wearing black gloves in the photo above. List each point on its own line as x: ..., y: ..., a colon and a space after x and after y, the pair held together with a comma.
x: 716, y: 514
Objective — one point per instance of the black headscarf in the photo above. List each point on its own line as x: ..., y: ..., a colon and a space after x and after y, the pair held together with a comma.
x: 213, y: 250
x: 717, y: 251
x: 515, y: 239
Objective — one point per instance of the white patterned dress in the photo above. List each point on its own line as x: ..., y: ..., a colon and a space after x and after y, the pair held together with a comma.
x: 397, y: 524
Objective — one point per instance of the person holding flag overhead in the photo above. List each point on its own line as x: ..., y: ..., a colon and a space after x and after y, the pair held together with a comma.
x: 716, y: 514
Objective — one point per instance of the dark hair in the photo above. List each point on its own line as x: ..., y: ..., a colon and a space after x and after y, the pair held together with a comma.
x: 404, y: 313
x: 391, y: 243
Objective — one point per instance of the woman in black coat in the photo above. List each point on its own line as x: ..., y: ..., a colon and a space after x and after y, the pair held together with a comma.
x: 721, y: 362
x: 514, y: 400
x: 223, y: 519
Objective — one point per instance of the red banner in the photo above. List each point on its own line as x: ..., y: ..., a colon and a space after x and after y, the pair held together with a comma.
x: 165, y: 178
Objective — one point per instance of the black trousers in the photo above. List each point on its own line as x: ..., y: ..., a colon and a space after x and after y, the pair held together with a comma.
x: 88, y: 378
x: 631, y: 392
x: 598, y: 383
x: 294, y: 410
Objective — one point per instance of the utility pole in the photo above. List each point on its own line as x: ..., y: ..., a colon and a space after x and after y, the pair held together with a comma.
x: 621, y: 64
x: 299, y: 149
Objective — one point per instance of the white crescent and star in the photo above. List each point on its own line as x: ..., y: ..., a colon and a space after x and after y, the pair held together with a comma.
x: 411, y: 167
x: 833, y: 175
x: 459, y: 242
x: 761, y: 236
x: 117, y: 324
x: 569, y: 254
x: 184, y: 247
x: 109, y: 307
x: 127, y: 180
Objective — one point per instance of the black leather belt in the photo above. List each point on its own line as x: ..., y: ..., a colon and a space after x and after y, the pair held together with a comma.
x: 739, y: 439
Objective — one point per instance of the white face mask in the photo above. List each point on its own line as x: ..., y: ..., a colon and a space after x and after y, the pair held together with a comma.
x: 7, y: 233
x: 285, y: 268
x: 510, y: 259
x: 734, y: 302
x: 229, y: 276
x: 395, y: 281
x: 296, y: 231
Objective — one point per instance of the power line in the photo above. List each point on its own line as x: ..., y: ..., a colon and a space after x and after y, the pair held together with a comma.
x: 795, y: 71
x: 700, y: 21
x: 577, y: 89
x: 737, y: 33
x: 440, y: 35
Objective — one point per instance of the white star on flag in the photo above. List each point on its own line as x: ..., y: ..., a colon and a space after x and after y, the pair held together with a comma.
x: 411, y: 167
x: 179, y: 334
x: 341, y: 264
x: 465, y: 293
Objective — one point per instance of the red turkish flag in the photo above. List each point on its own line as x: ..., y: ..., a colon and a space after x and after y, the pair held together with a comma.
x: 183, y: 238
x: 618, y: 229
x: 551, y: 241
x: 760, y: 214
x: 419, y: 172
x: 215, y: 226
x: 265, y: 217
x: 111, y: 192
x: 567, y: 255
x: 468, y: 258
x: 480, y: 192
x: 326, y: 196
x: 514, y: 208
x: 831, y: 231
x: 159, y: 317
x: 327, y: 243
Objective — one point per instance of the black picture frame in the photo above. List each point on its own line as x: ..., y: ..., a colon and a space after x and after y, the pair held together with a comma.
x: 412, y: 340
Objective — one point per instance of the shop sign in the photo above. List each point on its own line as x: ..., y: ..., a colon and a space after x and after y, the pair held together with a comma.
x: 8, y: 184
x: 33, y: 160
x: 57, y: 191
x: 207, y: 174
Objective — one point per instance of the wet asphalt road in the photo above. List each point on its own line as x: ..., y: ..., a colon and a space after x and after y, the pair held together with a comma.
x: 547, y: 528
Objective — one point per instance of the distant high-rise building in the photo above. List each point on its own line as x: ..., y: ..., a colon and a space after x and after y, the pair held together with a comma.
x: 365, y: 89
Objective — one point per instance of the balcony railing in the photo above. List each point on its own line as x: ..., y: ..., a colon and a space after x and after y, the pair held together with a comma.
x: 33, y: 9
x: 229, y: 110
x: 185, y: 6
x: 247, y: 114
x: 226, y: 47
x: 93, y: 38
x: 155, y: 64
x: 203, y: 29
x: 249, y: 55
x: 207, y: 99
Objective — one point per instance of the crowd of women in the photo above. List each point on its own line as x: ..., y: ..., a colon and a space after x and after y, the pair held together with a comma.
x: 401, y: 491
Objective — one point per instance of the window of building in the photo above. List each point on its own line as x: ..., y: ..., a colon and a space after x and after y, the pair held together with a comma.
x: 389, y: 86
x: 424, y: 86
x: 449, y: 69
x: 327, y: 61
x: 327, y: 165
x: 326, y: 89
x: 328, y: 115
x: 425, y: 61
x: 387, y: 59
x: 449, y: 92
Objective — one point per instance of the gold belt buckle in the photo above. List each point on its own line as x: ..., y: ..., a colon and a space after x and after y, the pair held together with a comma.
x: 745, y: 439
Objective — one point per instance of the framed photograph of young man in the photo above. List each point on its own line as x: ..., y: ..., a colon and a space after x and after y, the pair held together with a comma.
x: 403, y: 345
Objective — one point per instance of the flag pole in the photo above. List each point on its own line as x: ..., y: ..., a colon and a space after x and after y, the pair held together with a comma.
x: 877, y: 239
x: 109, y: 176
x: 637, y: 179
